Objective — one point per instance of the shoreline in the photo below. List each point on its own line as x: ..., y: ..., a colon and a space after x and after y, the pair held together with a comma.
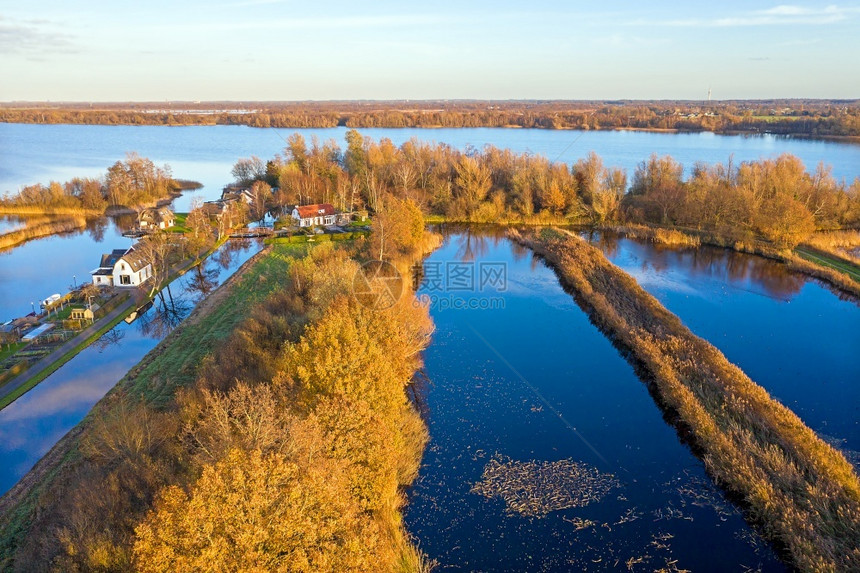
x: 41, y: 475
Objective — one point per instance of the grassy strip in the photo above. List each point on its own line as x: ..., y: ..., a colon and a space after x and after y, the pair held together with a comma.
x: 23, y: 389
x: 172, y: 363
x: 823, y: 259
x: 802, y: 492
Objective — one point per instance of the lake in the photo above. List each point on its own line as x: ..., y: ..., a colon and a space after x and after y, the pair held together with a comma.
x: 529, y: 379
x: 41, y: 153
x: 523, y: 379
x: 788, y: 332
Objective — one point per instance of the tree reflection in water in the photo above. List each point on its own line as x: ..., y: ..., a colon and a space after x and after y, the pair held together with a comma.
x: 202, y: 280
x: 110, y: 338
x: 166, y: 313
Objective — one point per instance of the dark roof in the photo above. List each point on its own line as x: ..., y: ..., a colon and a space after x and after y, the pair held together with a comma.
x: 110, y: 259
x: 307, y: 211
x: 134, y: 259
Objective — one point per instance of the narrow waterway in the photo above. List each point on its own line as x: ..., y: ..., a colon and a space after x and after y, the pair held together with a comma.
x: 31, y: 425
x: 518, y: 375
x: 788, y: 332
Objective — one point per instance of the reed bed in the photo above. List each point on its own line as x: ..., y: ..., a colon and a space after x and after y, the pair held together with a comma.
x: 802, y: 492
x: 669, y: 237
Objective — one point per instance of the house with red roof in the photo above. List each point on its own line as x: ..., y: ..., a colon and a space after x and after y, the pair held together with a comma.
x: 311, y: 215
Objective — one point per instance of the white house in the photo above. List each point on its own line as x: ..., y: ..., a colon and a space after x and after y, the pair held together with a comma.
x: 310, y: 215
x: 122, y: 268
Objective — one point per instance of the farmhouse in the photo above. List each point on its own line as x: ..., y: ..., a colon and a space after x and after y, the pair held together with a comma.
x: 122, y: 268
x: 155, y: 219
x: 310, y: 215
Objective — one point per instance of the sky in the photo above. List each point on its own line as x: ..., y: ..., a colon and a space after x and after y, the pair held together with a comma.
x: 247, y: 50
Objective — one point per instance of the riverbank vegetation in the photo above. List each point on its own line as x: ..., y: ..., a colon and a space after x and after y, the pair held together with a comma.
x: 802, y: 492
x: 806, y: 118
x: 271, y: 430
x: 129, y: 184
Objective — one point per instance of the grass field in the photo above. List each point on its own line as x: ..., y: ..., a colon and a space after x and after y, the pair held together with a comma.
x: 820, y: 258
x: 7, y: 351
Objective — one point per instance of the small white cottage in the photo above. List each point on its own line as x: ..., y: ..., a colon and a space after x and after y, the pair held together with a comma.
x: 122, y: 268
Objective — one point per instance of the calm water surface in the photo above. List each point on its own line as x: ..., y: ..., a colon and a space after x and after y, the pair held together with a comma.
x: 788, y: 332
x: 536, y: 381
x: 31, y: 425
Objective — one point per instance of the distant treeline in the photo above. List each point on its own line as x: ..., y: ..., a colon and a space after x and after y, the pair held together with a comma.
x: 131, y: 183
x: 773, y: 199
x: 812, y: 118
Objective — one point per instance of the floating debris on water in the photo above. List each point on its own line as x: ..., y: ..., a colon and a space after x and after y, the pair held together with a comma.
x: 536, y: 488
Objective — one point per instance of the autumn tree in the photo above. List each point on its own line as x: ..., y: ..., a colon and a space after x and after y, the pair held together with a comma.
x: 397, y: 229
x: 248, y: 170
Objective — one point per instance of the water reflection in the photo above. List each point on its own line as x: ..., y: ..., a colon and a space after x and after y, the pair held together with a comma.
x: 769, y: 278
x: 166, y: 313
x: 113, y: 337
x: 789, y: 333
x: 31, y: 425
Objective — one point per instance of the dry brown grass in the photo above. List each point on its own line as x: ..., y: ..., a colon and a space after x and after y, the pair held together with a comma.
x: 669, y: 237
x: 48, y: 210
x: 843, y: 244
x: 801, y: 491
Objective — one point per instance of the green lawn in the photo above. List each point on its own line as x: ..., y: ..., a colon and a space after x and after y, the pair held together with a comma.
x: 7, y: 351
x: 822, y: 259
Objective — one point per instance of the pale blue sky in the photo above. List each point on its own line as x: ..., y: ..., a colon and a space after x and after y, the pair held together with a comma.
x: 290, y: 50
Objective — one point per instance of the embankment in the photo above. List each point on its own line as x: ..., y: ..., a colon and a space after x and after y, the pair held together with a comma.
x: 802, y: 492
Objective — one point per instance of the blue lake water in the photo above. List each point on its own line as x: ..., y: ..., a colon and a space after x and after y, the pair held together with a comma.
x: 533, y: 380
x: 41, y: 153
x: 789, y: 333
